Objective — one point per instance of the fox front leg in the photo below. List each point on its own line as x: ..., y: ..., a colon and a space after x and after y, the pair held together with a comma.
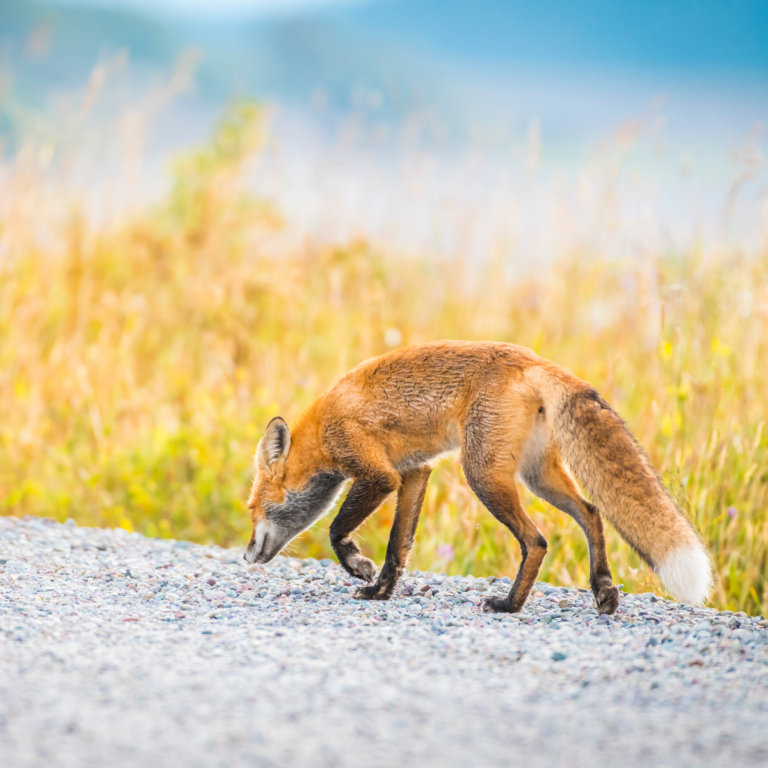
x: 364, y: 497
x: 410, y: 499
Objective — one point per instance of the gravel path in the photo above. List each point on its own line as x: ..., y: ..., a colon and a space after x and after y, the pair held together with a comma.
x: 120, y: 650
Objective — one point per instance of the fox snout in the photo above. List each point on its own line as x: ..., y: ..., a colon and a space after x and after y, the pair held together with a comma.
x: 264, y: 543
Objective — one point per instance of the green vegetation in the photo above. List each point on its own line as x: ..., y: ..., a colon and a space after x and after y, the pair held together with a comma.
x: 139, y: 366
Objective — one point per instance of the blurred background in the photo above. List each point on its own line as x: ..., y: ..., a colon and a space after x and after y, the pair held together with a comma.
x: 209, y: 211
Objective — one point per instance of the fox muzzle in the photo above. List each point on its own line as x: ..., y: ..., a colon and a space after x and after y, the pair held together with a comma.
x: 265, y: 543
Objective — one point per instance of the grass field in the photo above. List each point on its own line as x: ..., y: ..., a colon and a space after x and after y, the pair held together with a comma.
x: 139, y: 365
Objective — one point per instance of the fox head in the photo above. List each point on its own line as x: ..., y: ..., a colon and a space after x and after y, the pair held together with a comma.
x: 285, y: 500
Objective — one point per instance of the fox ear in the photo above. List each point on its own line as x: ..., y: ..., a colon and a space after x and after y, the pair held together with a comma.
x: 274, y: 446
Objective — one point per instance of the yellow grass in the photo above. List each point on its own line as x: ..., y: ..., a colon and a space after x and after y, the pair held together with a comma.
x: 140, y: 364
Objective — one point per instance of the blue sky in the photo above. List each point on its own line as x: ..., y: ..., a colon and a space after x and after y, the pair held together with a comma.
x: 216, y: 8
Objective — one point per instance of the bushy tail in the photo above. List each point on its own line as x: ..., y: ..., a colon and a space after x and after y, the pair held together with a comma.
x: 607, y: 460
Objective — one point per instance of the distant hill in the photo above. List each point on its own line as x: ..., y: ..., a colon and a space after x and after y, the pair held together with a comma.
x: 386, y: 39
x: 690, y: 35
x: 402, y: 48
x: 49, y: 45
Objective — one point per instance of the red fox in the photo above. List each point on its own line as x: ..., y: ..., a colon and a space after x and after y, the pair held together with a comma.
x: 511, y: 414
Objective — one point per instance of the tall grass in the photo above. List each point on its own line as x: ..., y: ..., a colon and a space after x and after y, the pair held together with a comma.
x: 140, y: 364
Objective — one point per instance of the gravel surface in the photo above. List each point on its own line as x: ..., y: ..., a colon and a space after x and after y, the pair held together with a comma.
x: 120, y: 650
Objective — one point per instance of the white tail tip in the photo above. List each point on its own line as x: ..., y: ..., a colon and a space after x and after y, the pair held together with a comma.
x: 687, y: 574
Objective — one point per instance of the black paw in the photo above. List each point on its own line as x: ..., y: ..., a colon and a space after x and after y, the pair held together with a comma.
x: 607, y: 599
x: 497, y: 605
x: 373, y: 592
x: 362, y: 568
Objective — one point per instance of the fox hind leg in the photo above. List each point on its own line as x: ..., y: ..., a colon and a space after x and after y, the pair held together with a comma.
x: 485, y: 446
x: 500, y: 497
x: 551, y: 482
x: 410, y: 498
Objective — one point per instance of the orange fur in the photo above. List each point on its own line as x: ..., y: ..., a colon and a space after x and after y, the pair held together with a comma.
x: 511, y: 414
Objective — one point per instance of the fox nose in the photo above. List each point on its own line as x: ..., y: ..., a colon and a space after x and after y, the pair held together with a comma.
x: 261, y: 544
x: 248, y: 555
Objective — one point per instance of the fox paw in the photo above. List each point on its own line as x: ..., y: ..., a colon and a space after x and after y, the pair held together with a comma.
x: 496, y: 605
x: 362, y: 568
x: 607, y: 599
x: 372, y: 592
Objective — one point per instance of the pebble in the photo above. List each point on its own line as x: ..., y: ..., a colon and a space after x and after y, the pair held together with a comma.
x: 116, y: 648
